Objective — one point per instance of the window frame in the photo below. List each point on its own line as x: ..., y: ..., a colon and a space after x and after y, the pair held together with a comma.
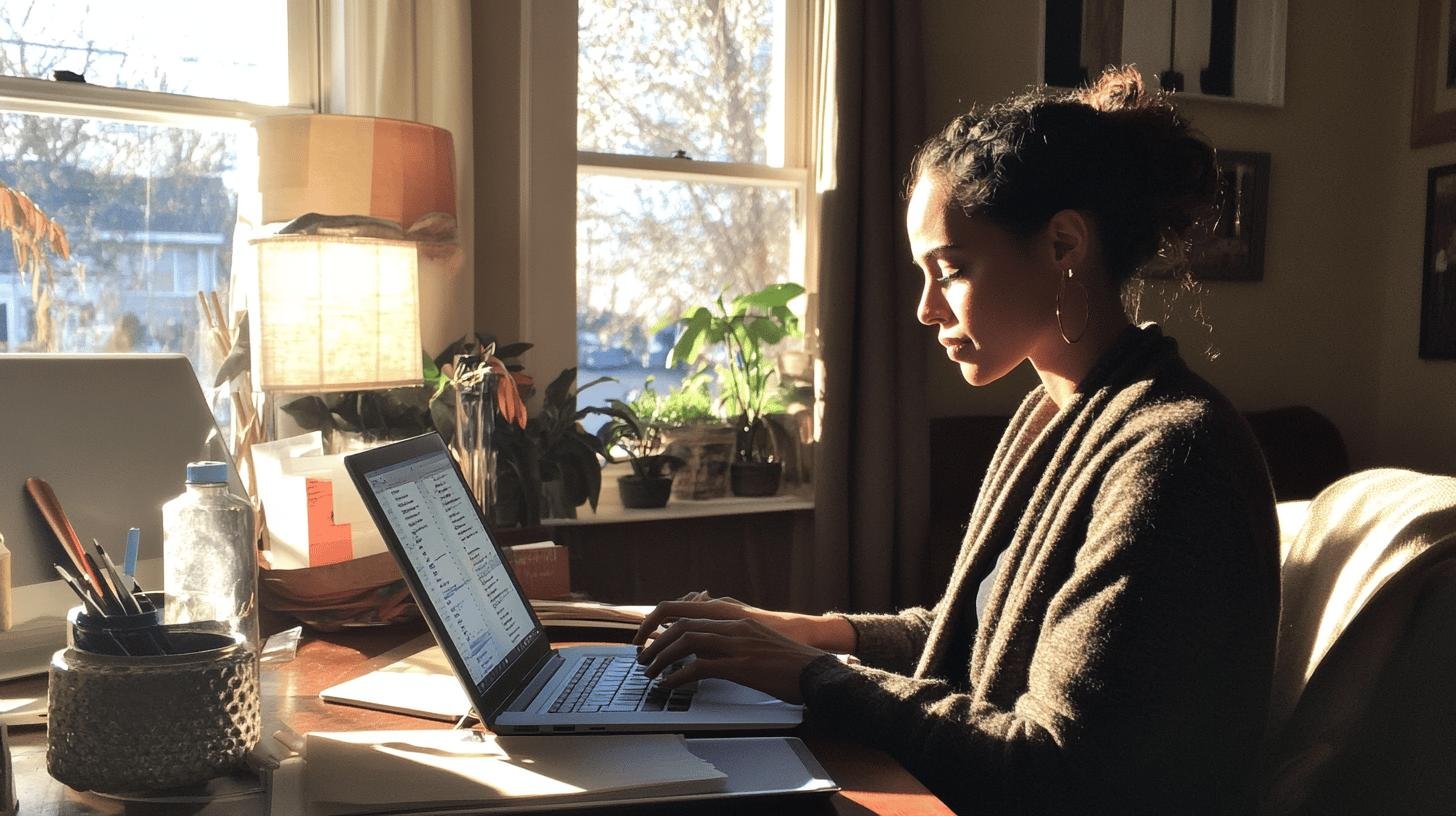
x: 43, y: 97
x: 793, y: 48
x: 46, y: 97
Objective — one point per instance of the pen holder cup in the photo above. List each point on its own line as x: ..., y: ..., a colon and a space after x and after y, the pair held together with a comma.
x: 136, y: 723
x: 140, y: 634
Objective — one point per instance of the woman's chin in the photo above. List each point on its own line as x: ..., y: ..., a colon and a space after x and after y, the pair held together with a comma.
x: 976, y: 374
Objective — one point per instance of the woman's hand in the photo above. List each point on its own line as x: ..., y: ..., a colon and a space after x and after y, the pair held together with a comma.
x: 827, y: 632
x: 743, y: 650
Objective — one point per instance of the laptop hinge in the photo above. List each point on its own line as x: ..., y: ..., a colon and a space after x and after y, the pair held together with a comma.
x: 542, y: 672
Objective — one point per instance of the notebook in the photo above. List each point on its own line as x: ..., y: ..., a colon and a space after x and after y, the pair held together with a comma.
x: 493, y: 640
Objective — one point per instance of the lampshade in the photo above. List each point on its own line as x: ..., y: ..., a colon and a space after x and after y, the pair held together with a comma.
x: 335, y: 314
x: 354, y: 165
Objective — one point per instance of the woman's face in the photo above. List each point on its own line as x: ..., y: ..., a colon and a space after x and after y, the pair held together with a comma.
x: 991, y: 301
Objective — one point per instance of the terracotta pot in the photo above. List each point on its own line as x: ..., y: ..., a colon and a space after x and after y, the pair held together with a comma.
x: 756, y: 478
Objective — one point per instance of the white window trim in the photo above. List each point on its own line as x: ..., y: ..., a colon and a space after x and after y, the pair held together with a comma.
x: 79, y: 99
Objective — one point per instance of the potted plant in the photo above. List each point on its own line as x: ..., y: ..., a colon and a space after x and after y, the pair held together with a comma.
x: 745, y: 328
x: 558, y: 456
x: 636, y: 429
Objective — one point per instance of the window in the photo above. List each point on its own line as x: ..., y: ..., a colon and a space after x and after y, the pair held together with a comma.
x: 691, y: 175
x: 142, y: 164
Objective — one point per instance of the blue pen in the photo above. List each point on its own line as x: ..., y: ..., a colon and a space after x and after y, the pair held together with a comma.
x: 133, y: 543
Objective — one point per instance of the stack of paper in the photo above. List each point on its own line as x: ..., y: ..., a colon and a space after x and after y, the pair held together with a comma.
x: 588, y: 614
x: 376, y: 771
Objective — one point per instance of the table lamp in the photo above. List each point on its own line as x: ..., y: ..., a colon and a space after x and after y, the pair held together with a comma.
x: 335, y: 314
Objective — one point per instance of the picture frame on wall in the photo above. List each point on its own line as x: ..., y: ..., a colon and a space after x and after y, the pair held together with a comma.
x: 1438, y: 271
x: 1219, y: 50
x: 1433, y: 113
x: 1229, y: 246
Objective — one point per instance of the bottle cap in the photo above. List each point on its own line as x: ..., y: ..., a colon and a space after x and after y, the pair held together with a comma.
x: 207, y: 473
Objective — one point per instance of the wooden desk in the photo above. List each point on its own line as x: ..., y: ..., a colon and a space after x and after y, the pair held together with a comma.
x: 872, y: 781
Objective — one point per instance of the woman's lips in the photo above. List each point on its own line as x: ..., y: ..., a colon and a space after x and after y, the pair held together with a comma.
x: 958, y: 349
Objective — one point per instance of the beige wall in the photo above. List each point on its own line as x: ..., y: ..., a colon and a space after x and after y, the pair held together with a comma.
x: 1333, y: 323
x: 1416, y: 405
x: 496, y: 45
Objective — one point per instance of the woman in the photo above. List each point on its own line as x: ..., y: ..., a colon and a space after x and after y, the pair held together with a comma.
x: 1125, y: 534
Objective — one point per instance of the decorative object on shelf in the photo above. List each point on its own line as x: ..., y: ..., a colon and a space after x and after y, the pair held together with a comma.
x: 1438, y: 275
x: 1229, y: 244
x: 1433, y: 112
x: 637, y: 429
x: 694, y: 433
x: 483, y: 390
x: 745, y: 328
x: 474, y: 384
x: 1213, y: 49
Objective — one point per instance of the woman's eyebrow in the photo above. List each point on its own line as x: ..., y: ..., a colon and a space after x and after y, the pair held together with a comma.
x: 930, y: 254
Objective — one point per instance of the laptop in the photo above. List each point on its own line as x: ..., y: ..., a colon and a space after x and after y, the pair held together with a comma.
x: 495, y: 644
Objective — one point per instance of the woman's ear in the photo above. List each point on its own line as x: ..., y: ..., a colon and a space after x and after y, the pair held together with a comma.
x: 1070, y: 237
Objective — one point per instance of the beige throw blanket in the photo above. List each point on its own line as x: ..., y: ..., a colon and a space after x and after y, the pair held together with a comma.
x: 1372, y: 544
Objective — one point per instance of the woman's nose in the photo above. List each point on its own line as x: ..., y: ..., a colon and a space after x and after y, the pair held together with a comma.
x: 932, y: 309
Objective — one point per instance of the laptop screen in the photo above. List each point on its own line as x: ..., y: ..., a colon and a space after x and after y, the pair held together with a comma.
x: 457, y: 563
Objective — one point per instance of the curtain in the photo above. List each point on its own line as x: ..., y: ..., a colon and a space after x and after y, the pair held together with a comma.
x: 410, y: 59
x: 871, y: 475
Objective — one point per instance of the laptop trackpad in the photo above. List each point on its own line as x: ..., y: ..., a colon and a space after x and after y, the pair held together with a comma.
x: 713, y: 691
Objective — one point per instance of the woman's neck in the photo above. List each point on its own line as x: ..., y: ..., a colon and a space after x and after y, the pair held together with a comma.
x: 1062, y: 365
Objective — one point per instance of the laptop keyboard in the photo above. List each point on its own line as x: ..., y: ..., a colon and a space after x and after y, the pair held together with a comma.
x: 616, y: 684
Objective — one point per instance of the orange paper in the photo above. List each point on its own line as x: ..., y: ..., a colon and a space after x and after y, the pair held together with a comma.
x: 328, y: 543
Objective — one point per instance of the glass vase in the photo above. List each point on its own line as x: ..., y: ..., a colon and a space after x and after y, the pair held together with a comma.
x: 474, y: 423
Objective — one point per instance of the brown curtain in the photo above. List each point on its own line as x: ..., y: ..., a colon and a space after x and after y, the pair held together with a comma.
x: 871, y: 476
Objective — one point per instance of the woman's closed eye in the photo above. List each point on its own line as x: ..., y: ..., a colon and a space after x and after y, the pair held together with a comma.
x: 945, y: 274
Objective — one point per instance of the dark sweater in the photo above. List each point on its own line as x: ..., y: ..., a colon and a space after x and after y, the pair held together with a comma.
x: 1123, y: 663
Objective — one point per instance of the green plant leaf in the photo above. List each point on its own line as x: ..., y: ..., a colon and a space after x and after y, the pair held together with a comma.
x: 512, y: 350
x: 442, y: 414
x: 765, y: 330
x: 775, y: 294
x: 311, y: 414
x: 597, y: 381
x: 559, y: 391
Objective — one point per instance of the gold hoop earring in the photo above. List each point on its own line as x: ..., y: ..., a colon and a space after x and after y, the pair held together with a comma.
x: 1086, y: 308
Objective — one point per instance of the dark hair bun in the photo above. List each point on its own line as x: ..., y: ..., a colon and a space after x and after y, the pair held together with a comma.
x: 1111, y: 149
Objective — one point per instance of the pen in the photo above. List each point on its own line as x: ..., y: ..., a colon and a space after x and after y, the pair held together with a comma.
x: 121, y: 593
x: 133, y: 543
x: 123, y: 586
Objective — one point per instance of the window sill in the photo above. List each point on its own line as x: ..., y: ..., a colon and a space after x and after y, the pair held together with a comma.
x: 610, y: 509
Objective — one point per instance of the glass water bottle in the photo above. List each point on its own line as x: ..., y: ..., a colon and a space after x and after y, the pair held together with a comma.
x: 210, y: 560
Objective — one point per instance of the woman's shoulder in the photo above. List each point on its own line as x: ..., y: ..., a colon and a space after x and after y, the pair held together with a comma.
x: 1174, y: 412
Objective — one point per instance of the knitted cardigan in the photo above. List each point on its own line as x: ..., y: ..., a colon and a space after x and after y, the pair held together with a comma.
x: 1124, y: 659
